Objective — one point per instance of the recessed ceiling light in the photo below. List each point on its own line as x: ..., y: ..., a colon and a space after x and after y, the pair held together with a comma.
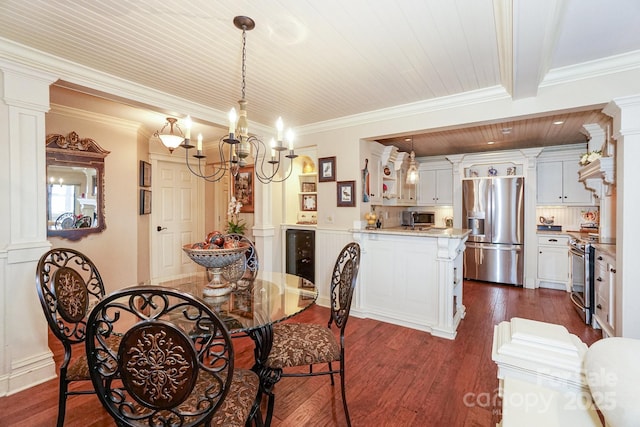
x: 407, y: 140
x: 491, y: 142
x: 558, y: 122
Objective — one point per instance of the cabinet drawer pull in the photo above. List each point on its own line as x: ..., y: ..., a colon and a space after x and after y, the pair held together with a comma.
x: 600, y: 258
x: 599, y: 307
x: 553, y: 240
x: 613, y: 270
x: 599, y: 279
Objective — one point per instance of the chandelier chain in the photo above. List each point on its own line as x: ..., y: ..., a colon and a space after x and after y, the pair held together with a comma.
x: 244, y: 59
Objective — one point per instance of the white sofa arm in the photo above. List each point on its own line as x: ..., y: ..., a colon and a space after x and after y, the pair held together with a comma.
x: 613, y: 373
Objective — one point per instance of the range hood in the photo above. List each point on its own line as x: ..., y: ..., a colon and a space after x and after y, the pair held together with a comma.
x: 599, y: 177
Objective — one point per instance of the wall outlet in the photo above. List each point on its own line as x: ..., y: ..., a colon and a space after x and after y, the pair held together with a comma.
x: 329, y: 219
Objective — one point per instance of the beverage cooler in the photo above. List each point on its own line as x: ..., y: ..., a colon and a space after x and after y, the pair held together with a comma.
x: 301, y: 249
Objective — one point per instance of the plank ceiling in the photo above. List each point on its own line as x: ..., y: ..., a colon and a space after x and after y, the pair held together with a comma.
x: 315, y: 61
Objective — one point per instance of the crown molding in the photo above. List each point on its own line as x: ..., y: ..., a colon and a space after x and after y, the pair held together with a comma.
x: 76, y: 113
x: 494, y: 93
x: 93, y: 82
x: 600, y: 67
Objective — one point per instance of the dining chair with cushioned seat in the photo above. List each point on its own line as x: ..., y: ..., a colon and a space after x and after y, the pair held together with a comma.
x: 306, y: 344
x: 247, y: 268
x: 174, y: 365
x: 68, y: 285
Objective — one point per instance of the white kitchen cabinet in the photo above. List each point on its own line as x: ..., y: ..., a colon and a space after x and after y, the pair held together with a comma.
x: 558, y: 184
x: 375, y: 178
x: 435, y: 187
x: 605, y: 282
x: 553, y: 262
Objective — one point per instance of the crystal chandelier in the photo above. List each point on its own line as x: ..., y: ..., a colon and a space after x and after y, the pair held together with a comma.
x: 238, y: 143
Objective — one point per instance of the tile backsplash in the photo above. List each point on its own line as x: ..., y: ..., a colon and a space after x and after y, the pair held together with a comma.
x: 569, y: 218
x: 391, y: 216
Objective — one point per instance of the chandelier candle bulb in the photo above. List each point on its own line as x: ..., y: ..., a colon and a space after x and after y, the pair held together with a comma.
x: 232, y: 122
x: 290, y: 139
x: 199, y: 143
x: 187, y: 125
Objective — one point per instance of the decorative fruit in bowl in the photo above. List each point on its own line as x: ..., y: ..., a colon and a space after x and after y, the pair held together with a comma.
x: 215, y: 259
x: 215, y: 238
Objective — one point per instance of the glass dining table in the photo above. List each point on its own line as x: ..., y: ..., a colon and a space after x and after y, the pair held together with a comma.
x: 251, y: 308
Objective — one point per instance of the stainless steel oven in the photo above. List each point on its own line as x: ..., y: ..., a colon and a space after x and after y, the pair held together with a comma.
x: 582, y: 285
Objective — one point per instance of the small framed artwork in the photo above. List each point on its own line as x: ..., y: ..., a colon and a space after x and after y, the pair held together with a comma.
x: 145, y: 202
x: 145, y: 174
x: 243, y: 188
x: 346, y: 193
x: 309, y: 202
x: 327, y: 166
x: 308, y: 187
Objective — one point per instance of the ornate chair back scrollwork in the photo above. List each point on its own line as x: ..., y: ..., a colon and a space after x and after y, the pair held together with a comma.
x: 305, y: 344
x: 174, y: 365
x: 68, y: 284
x: 244, y: 269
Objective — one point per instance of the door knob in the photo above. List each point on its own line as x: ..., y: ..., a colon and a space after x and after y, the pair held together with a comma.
x: 159, y: 228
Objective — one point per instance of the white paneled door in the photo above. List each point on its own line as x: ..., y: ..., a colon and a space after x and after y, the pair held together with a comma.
x: 178, y: 197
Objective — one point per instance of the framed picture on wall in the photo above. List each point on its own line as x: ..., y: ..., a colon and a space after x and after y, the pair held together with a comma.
x: 145, y: 202
x: 145, y: 174
x: 308, y: 187
x: 309, y: 202
x: 346, y: 193
x: 243, y: 188
x: 327, y: 169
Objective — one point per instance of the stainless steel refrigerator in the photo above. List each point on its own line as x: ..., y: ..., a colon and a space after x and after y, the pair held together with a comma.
x: 493, y: 208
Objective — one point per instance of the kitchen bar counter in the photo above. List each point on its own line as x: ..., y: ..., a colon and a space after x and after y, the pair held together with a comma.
x: 412, y: 278
x: 452, y: 233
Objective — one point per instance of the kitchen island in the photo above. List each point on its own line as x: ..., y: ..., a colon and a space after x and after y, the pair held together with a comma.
x: 412, y: 277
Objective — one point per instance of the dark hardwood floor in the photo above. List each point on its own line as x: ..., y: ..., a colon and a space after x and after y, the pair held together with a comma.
x: 395, y: 376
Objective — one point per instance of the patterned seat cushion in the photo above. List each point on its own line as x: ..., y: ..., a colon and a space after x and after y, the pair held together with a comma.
x: 235, y: 409
x: 78, y: 369
x: 301, y: 344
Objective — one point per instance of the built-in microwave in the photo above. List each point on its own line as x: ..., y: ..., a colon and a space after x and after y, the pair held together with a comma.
x: 413, y: 218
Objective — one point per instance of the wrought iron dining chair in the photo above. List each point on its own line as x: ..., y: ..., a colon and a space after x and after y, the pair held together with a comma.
x: 247, y: 268
x: 305, y: 344
x: 68, y: 285
x: 174, y: 365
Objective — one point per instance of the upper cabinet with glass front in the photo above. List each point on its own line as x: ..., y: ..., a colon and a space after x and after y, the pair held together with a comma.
x: 75, y: 186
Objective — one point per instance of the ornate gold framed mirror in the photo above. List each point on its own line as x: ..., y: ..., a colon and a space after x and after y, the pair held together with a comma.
x: 75, y: 186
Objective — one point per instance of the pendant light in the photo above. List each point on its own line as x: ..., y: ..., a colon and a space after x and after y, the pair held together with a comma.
x: 412, y: 172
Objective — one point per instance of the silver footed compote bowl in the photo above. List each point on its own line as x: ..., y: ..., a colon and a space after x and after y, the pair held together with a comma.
x: 215, y: 260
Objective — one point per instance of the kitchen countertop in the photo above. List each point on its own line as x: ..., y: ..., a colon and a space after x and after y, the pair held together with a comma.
x: 452, y: 233
x: 605, y: 244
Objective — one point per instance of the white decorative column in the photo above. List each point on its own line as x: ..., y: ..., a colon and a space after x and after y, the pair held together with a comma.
x: 263, y: 229
x: 530, y: 173
x: 626, y: 131
x: 451, y: 307
x: 24, y: 354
